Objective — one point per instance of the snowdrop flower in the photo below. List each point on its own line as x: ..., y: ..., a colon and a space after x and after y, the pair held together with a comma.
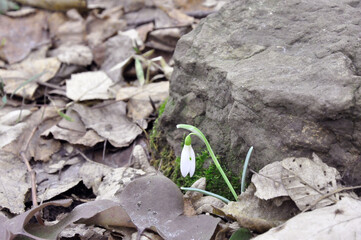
x: 188, y: 159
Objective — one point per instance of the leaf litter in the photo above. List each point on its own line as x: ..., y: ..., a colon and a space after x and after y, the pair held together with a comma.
x: 80, y: 91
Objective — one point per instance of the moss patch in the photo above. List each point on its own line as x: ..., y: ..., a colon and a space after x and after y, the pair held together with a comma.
x: 165, y: 159
x: 215, y: 182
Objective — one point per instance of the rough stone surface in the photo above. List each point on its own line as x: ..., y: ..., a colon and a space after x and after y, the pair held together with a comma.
x: 282, y: 76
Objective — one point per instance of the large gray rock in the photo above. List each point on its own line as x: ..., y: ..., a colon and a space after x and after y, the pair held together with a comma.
x: 283, y: 76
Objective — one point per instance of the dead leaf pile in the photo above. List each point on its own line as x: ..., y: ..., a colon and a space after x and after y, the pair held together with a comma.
x: 282, y: 189
x: 80, y: 82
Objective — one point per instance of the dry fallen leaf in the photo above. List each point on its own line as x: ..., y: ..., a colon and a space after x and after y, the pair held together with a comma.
x: 340, y: 221
x: 32, y: 30
x: 115, y: 50
x: 109, y: 120
x: 13, y: 183
x: 30, y: 139
x: 88, y: 86
x: 12, y: 125
x: 155, y: 201
x: 307, y: 180
x: 21, y: 78
x: 74, y: 131
x: 101, y: 26
x: 74, y: 54
x: 139, y: 105
x: 256, y: 214
x: 268, y: 182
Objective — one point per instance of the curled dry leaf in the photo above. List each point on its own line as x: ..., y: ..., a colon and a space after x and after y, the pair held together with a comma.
x: 206, y: 204
x: 304, y: 180
x: 115, y: 181
x: 256, y: 214
x: 50, y: 185
x: 15, y: 226
x: 110, y: 121
x: 340, y: 221
x: 140, y: 160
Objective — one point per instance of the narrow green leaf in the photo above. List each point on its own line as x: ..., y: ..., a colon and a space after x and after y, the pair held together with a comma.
x: 33, y: 78
x: 244, y: 172
x: 241, y: 234
x: 4, y: 101
x: 148, y: 53
x: 206, y: 193
x: 139, y: 71
x: 66, y: 117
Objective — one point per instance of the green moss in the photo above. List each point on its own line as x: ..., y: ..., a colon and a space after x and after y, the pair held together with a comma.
x: 214, y: 179
x: 165, y: 159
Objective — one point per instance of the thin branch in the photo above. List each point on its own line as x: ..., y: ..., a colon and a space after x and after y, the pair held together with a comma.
x: 330, y: 194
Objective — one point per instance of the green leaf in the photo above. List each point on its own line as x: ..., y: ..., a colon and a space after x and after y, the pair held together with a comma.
x: 139, y: 71
x: 241, y: 234
x: 244, y: 172
x: 148, y: 53
x: 66, y: 117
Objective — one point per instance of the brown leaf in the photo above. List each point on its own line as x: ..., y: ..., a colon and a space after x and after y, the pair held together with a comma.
x: 256, y: 214
x: 31, y: 31
x: 13, y: 227
x: 157, y: 201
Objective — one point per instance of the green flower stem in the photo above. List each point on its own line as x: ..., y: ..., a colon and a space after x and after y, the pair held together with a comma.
x: 199, y: 134
x: 206, y: 193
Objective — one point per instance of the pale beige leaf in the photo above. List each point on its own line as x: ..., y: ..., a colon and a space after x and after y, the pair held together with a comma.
x: 26, y: 70
x: 74, y: 54
x: 340, y: 221
x: 74, y: 132
x: 88, y: 86
x: 139, y: 105
x: 13, y: 182
x: 268, y: 182
x: 306, y: 181
x: 110, y: 122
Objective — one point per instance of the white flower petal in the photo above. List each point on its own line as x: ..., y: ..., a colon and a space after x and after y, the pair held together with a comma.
x: 192, y: 166
x: 185, y: 162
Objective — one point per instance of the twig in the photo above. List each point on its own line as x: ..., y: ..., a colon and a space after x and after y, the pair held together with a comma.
x: 32, y: 172
x: 328, y: 195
